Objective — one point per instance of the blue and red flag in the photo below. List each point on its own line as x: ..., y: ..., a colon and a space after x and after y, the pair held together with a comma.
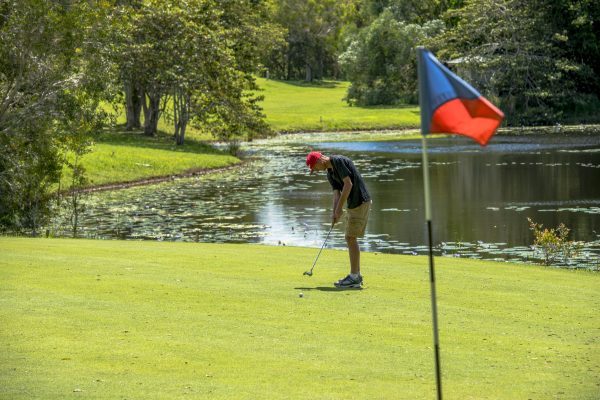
x: 451, y: 105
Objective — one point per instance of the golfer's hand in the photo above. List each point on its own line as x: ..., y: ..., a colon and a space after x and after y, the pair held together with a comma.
x: 336, y: 216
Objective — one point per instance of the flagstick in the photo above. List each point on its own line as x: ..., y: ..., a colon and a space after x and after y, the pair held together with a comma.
x: 436, y: 340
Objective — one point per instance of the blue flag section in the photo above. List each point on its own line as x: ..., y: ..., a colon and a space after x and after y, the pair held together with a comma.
x: 450, y: 105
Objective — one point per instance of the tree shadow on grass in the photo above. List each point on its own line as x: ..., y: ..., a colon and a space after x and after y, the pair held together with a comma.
x: 389, y: 107
x: 327, y: 289
x: 118, y: 136
x: 319, y: 84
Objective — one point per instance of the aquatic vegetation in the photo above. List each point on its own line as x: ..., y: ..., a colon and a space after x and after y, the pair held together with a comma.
x: 554, y: 243
x: 271, y: 199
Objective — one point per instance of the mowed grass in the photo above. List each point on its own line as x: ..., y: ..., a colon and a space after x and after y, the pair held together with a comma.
x: 119, y: 156
x: 150, y: 320
x: 298, y: 106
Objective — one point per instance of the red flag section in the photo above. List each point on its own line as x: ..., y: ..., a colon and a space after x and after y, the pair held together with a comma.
x: 451, y: 105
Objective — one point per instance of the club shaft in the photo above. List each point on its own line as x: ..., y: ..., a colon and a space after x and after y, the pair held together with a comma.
x: 326, y: 237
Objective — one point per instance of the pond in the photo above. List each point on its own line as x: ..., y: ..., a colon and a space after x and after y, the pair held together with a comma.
x: 481, y: 198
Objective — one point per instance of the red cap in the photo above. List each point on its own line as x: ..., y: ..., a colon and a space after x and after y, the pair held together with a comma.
x: 312, y: 158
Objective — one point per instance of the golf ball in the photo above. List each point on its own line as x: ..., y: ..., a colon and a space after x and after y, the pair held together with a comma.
x: 301, y: 295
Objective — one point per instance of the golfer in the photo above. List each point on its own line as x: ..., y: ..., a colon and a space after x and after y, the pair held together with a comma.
x: 348, y: 187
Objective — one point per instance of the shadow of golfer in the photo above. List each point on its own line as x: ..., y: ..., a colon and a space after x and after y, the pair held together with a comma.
x: 327, y: 289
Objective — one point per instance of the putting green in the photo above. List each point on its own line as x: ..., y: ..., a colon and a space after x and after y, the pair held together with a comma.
x: 115, y: 319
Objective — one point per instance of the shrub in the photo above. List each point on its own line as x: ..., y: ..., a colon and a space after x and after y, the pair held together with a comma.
x: 553, y: 243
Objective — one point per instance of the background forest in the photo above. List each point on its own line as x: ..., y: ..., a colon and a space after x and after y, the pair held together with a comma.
x: 538, y: 59
x: 65, y: 65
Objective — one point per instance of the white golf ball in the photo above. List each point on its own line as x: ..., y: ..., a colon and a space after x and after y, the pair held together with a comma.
x: 301, y: 295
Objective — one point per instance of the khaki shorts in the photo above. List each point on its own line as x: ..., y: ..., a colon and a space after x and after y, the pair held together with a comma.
x: 356, y: 220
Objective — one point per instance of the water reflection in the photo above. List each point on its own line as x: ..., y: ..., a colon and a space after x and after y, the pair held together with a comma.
x: 481, y: 198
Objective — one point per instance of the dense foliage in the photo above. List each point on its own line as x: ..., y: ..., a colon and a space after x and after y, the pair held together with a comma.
x: 49, y: 89
x: 312, y: 31
x: 381, y: 61
x: 193, y: 62
x: 538, y: 59
x: 196, y: 56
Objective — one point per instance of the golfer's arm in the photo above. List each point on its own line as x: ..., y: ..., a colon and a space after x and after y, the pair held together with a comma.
x: 344, y: 194
x: 336, y: 199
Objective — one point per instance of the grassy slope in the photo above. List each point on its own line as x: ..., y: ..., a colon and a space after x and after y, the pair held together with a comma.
x: 123, y: 157
x: 296, y: 106
x: 111, y: 319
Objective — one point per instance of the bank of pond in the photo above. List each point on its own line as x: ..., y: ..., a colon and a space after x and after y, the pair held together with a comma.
x: 482, y: 198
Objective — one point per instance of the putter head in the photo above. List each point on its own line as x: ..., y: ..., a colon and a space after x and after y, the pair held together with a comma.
x: 309, y: 273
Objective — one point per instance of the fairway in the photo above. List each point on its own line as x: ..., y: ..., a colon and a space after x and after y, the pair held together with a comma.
x: 292, y: 106
x: 148, y: 320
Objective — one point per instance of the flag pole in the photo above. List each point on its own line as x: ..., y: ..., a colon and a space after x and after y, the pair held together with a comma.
x: 424, y: 129
x: 436, y: 339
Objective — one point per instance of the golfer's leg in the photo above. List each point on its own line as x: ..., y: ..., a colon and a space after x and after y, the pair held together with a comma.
x: 354, y: 252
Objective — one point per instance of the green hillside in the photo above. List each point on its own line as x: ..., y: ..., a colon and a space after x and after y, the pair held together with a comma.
x: 298, y: 106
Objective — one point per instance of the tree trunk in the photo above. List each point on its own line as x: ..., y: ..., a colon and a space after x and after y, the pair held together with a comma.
x: 133, y: 106
x: 181, y: 115
x: 137, y: 107
x: 181, y: 135
x: 151, y: 113
x: 309, y: 71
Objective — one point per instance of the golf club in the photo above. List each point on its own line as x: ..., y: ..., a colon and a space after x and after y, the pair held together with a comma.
x: 309, y: 273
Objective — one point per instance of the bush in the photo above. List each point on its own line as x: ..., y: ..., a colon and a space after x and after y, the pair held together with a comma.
x: 553, y: 243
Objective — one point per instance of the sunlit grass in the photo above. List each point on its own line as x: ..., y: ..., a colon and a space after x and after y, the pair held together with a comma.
x: 297, y: 106
x: 118, y: 156
x: 127, y: 319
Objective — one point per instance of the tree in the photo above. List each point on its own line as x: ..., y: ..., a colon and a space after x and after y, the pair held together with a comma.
x: 313, y: 28
x: 47, y: 89
x: 191, y: 62
x: 132, y: 89
x: 222, y: 100
x: 140, y: 50
x: 527, y: 55
x: 409, y: 11
x: 575, y: 24
x: 381, y: 61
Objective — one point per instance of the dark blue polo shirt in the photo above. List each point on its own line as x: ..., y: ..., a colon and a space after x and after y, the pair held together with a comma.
x: 343, y: 167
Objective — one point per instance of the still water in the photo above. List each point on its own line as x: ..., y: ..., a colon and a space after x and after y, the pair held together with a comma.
x: 481, y: 198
